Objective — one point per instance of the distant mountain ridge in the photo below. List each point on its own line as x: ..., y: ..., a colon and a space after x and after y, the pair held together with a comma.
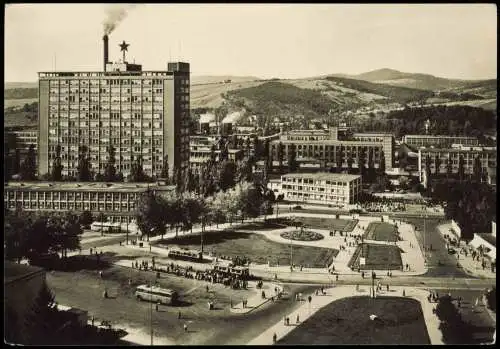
x: 418, y: 80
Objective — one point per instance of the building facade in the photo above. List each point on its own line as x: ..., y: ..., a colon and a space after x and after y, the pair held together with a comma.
x: 438, y: 141
x: 143, y: 115
x: 324, y: 146
x: 117, y: 201
x: 487, y: 155
x: 325, y: 188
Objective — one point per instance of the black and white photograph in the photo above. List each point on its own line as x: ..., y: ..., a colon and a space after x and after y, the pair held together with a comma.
x: 250, y: 174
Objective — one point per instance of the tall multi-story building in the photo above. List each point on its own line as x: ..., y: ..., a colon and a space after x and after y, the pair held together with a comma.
x: 141, y: 114
x: 487, y: 155
x: 438, y: 141
x: 117, y: 201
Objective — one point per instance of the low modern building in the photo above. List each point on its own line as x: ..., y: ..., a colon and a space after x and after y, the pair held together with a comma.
x: 22, y: 283
x: 487, y: 155
x: 418, y: 141
x: 325, y: 188
x: 117, y: 201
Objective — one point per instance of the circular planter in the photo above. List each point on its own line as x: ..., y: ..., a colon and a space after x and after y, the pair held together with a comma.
x: 304, y: 235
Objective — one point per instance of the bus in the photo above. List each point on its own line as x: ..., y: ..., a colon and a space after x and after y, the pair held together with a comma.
x: 182, y: 254
x: 156, y: 294
x: 106, y: 227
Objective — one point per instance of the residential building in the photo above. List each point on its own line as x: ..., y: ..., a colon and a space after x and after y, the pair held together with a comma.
x: 117, y: 201
x: 418, y: 141
x: 142, y: 114
x: 200, y: 150
x: 487, y: 155
x: 325, y: 188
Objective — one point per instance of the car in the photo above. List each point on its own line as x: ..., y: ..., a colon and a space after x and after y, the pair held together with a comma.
x: 297, y: 207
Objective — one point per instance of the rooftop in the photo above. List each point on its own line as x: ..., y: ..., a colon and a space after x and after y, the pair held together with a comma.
x: 85, y: 186
x: 327, y: 142
x: 439, y: 136
x: 340, y: 177
x: 14, y: 271
x: 459, y: 148
x: 489, y: 238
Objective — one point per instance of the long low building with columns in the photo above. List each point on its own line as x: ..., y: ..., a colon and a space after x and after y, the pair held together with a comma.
x: 324, y: 188
x: 117, y: 201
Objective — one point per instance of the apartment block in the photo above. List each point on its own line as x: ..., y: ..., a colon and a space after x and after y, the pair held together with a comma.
x: 117, y: 201
x: 325, y: 188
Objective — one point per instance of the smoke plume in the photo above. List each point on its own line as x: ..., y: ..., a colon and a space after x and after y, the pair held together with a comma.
x: 114, y: 15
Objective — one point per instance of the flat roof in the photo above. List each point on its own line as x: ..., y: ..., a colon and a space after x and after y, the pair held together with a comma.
x: 460, y: 150
x: 441, y: 136
x: 14, y: 271
x: 85, y: 186
x: 342, y: 177
x: 328, y: 142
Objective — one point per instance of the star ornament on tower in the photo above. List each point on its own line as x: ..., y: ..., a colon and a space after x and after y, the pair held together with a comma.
x: 124, y: 48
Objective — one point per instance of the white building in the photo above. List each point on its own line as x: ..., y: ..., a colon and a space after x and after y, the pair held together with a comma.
x: 325, y: 188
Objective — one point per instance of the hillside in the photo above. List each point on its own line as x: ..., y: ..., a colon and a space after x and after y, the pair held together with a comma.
x: 483, y: 88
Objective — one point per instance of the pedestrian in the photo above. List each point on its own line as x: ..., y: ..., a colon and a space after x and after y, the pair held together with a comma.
x: 132, y: 265
x: 275, y: 276
x: 93, y: 319
x: 297, y: 319
x: 287, y: 321
x: 404, y: 294
x: 179, y: 315
x: 185, y: 327
x: 206, y: 288
x: 387, y: 287
x: 316, y: 292
x: 337, y: 277
x: 100, y: 274
x: 157, y: 306
x: 91, y: 250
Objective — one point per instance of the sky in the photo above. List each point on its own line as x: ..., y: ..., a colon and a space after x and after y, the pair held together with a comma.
x: 260, y: 40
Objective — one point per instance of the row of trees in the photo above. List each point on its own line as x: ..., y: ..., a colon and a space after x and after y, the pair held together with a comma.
x: 157, y: 213
x: 32, y: 234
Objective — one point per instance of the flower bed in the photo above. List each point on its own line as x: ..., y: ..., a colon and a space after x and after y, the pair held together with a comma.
x: 302, y: 235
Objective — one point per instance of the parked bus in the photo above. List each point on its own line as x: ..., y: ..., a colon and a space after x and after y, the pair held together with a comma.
x: 156, y: 294
x: 106, y: 227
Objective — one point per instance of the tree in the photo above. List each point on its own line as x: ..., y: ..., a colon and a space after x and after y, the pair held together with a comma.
x: 136, y: 171
x: 404, y: 182
x: 178, y: 180
x: 40, y: 318
x: 190, y: 181
x: 110, y: 170
x: 227, y: 174
x: 349, y: 163
x: 150, y: 214
x: 477, y: 169
x: 257, y: 148
x: 57, y: 167
x: 86, y: 219
x: 250, y: 200
x: 382, y: 162
x: 28, y: 167
x: 292, y: 159
x: 280, y: 155
x: 437, y: 164
x: 371, y: 165
x: 461, y: 168
x: 339, y: 157
x: 164, y: 170
x: 83, y: 168
x: 449, y: 167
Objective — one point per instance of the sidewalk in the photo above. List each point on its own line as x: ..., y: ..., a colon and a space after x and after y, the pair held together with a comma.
x: 336, y: 293
x: 256, y: 300
x: 468, y: 265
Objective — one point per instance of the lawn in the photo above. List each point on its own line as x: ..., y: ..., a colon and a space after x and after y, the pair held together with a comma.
x: 256, y: 247
x: 381, y: 231
x: 345, y: 225
x: 378, y: 257
x: 346, y: 321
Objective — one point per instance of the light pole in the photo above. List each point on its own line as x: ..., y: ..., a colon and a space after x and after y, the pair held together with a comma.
x: 291, y: 254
